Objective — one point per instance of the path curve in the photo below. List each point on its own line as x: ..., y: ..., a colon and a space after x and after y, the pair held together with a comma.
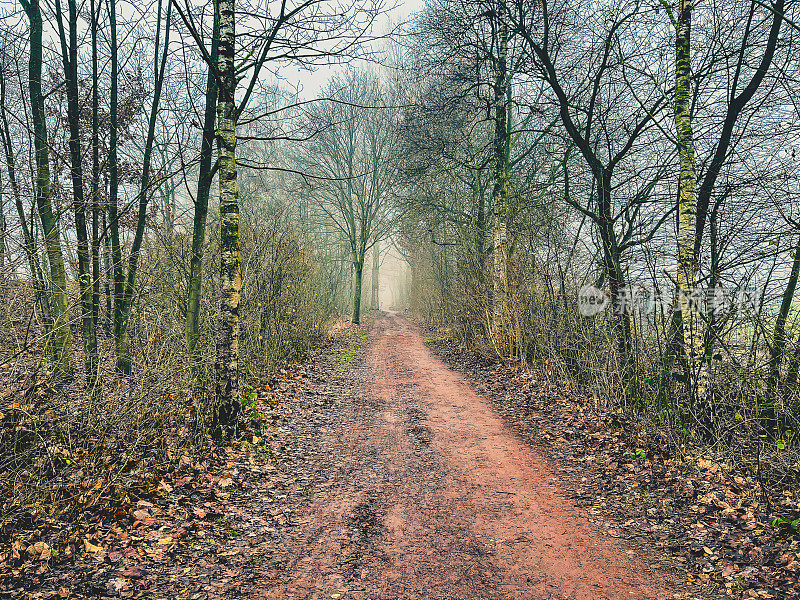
x: 429, y: 494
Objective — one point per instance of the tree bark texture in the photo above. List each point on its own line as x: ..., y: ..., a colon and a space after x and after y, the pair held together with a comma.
x: 228, y: 326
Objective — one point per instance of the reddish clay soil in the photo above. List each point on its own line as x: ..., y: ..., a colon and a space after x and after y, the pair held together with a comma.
x: 422, y: 491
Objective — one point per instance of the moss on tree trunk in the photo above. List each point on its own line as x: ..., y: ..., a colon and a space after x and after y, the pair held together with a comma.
x: 228, y: 325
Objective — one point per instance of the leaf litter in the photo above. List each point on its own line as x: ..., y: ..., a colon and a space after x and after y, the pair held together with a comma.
x: 196, y: 524
x: 700, y: 512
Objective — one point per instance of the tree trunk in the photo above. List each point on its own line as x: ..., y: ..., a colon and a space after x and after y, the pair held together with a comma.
x: 480, y: 232
x: 3, y: 231
x: 779, y: 339
x: 204, y: 181
x: 227, y: 366
x: 95, y: 183
x: 123, y: 313
x: 358, y: 269
x: 501, y: 147
x: 376, y: 252
x: 108, y: 279
x: 69, y: 56
x: 622, y: 310
x: 120, y: 341
x: 692, y: 325
x: 613, y: 271
x: 59, y: 341
x: 29, y: 243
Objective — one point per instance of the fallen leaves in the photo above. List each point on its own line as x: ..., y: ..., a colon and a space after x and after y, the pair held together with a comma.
x: 692, y: 507
x: 141, y: 518
x: 94, y: 550
x: 141, y: 514
x: 39, y: 551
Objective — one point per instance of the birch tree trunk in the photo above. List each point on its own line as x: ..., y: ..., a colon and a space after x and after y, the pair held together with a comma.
x: 59, y: 341
x: 692, y: 325
x: 227, y: 365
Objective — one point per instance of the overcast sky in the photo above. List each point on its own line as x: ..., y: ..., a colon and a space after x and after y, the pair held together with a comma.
x: 312, y: 82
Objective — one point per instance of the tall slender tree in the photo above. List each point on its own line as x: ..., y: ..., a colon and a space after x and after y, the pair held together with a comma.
x: 124, y: 283
x: 352, y: 160
x: 501, y: 144
x: 376, y: 260
x: 95, y: 181
x: 227, y: 385
x: 69, y: 57
x: 204, y: 180
x: 580, y: 116
x: 59, y: 340
x: 28, y: 241
x: 308, y: 26
x: 687, y: 262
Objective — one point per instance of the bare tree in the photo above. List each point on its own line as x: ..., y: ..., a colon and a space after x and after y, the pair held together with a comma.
x: 69, y: 58
x: 309, y: 36
x: 28, y: 241
x: 352, y: 160
x: 605, y: 131
x: 59, y: 338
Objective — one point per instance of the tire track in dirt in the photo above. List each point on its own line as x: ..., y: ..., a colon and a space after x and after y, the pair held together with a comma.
x: 428, y: 494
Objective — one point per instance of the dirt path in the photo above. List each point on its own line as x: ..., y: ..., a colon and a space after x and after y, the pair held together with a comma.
x: 423, y: 492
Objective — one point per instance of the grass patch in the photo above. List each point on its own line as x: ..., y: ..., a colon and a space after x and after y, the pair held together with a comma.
x: 346, y: 359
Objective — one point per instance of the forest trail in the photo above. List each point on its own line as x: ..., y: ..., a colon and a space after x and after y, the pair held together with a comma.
x: 424, y: 492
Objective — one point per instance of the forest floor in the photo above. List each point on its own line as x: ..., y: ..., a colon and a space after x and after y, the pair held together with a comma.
x: 385, y: 475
